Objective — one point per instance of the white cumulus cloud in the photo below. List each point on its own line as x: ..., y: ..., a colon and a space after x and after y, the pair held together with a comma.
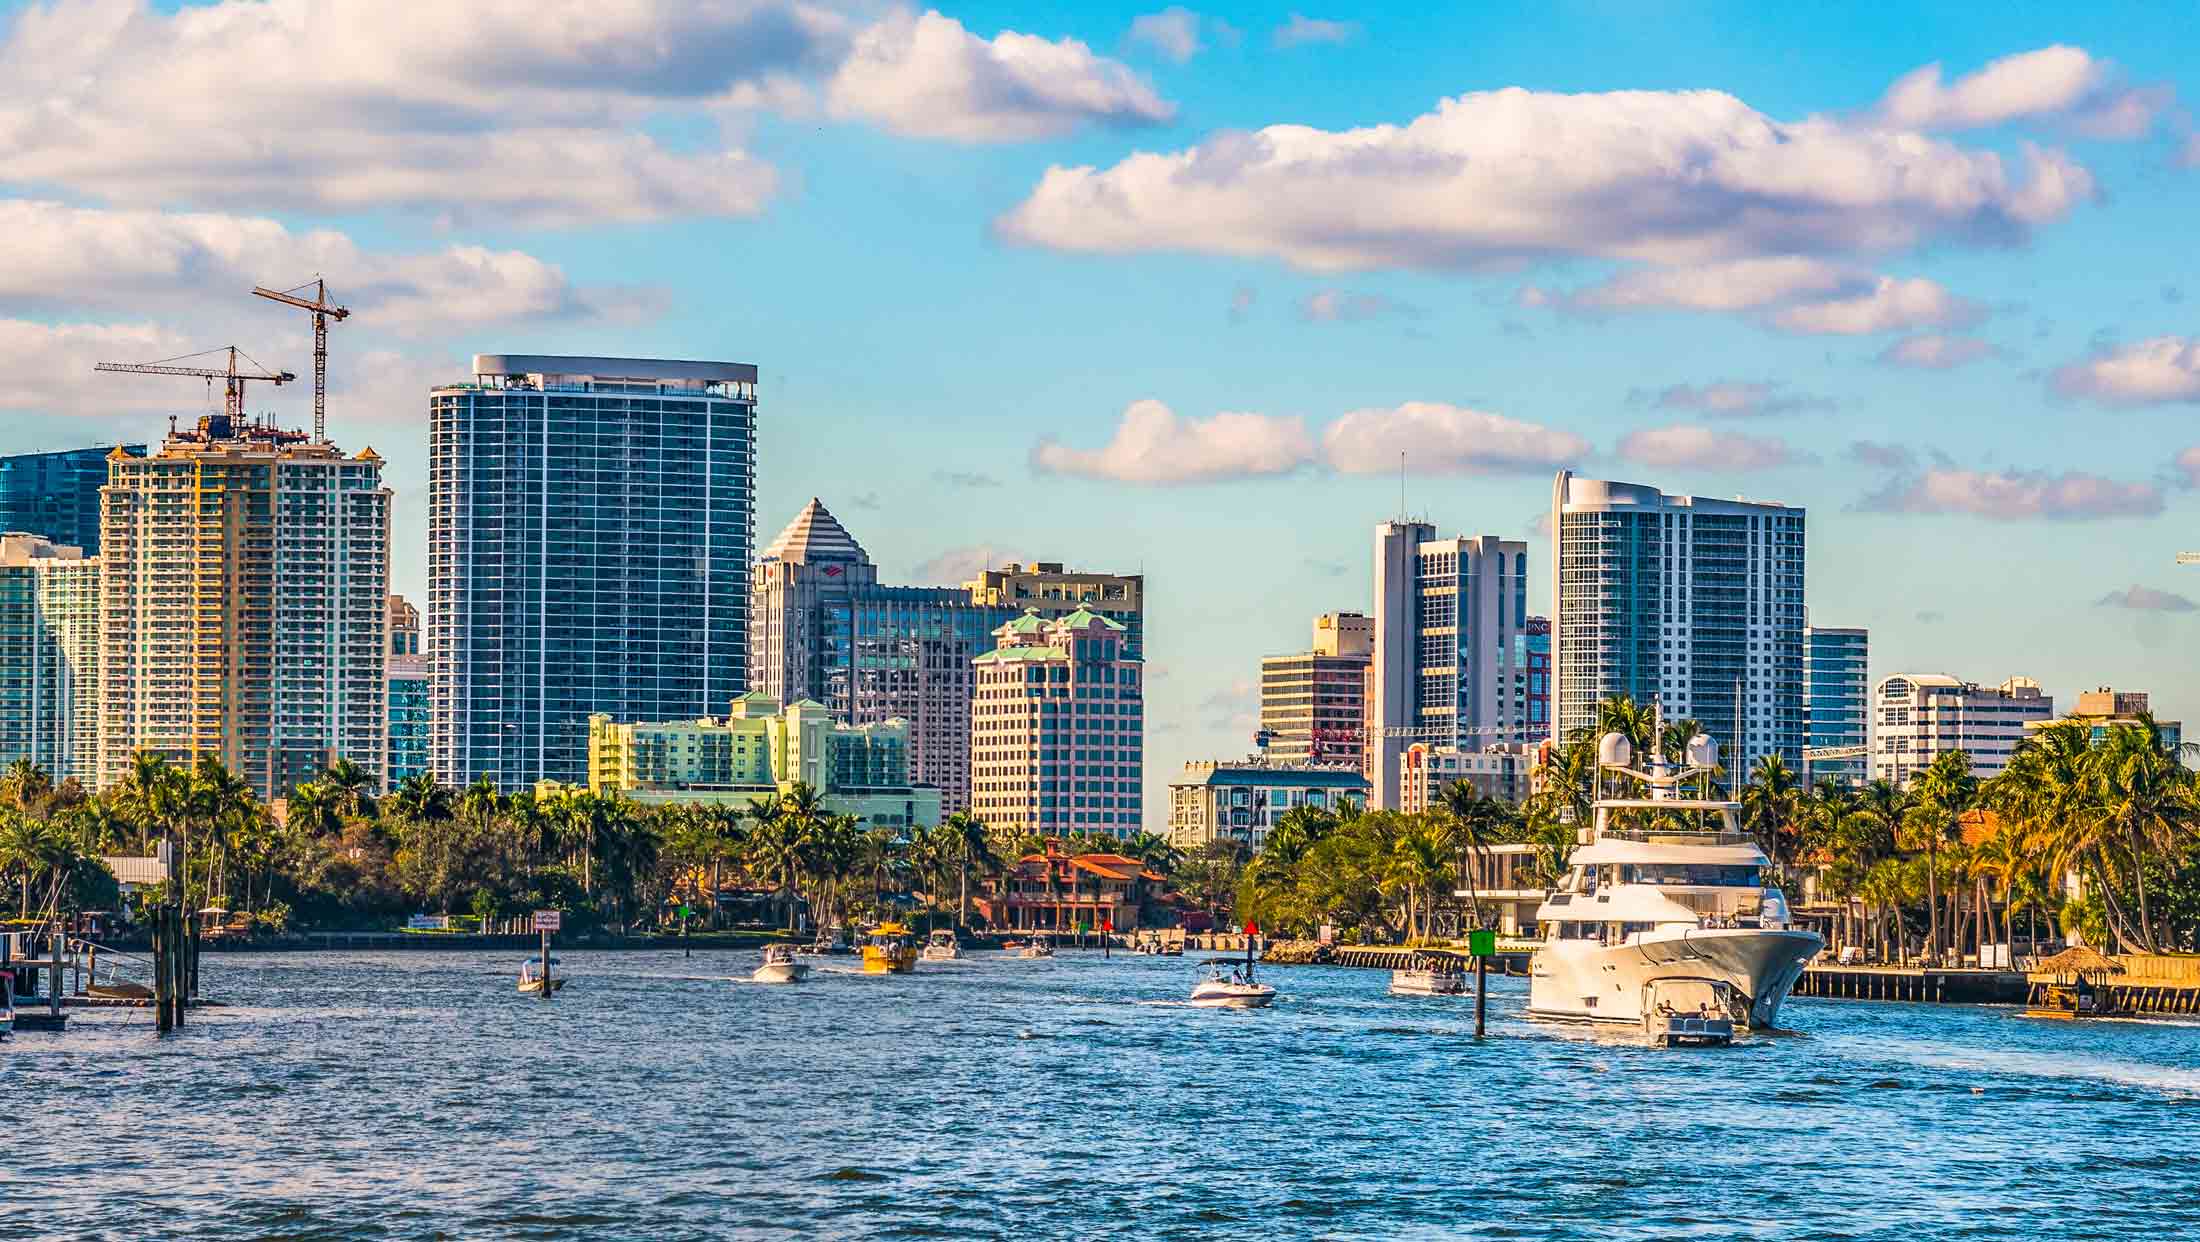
x: 1301, y: 30
x: 929, y: 77
x: 528, y: 111
x: 2156, y: 371
x: 83, y: 257
x: 1687, y: 446
x: 1738, y: 398
x: 1667, y: 178
x: 1444, y: 439
x: 1893, y: 304
x: 2059, y: 82
x: 1736, y: 285
x: 1153, y: 445
x: 2016, y: 495
x: 1173, y: 32
x: 1936, y: 351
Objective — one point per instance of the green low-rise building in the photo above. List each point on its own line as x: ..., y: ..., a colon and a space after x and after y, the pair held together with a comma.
x: 759, y: 750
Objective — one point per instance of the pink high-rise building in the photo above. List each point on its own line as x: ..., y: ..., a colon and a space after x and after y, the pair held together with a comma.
x: 1057, y: 727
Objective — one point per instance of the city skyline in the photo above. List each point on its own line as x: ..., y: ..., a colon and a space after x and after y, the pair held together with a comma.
x: 1976, y: 395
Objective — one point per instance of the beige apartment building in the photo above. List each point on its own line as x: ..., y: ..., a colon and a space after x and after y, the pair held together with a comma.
x: 1057, y: 727
x: 244, y: 605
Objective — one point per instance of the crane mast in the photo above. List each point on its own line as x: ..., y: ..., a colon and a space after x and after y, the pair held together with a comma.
x: 322, y: 310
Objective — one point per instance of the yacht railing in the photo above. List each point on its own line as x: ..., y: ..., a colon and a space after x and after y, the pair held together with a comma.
x: 1678, y: 836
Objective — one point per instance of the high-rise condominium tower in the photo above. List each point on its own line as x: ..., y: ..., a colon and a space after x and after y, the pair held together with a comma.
x: 1448, y: 669
x: 1692, y: 604
x: 244, y: 605
x: 56, y: 495
x: 1837, y: 701
x: 590, y: 522
x: 49, y: 657
x: 823, y: 627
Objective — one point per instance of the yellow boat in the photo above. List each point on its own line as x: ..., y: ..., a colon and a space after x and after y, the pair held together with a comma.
x: 890, y: 950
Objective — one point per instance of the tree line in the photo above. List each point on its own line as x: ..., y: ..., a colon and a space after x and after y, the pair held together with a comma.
x: 340, y: 856
x: 2091, y: 831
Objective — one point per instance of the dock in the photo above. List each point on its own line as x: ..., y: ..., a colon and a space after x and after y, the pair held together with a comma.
x: 2142, y: 985
x: 1936, y: 986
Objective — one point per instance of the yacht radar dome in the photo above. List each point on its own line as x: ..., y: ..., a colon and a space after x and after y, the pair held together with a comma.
x: 1702, y: 752
x: 1614, y: 751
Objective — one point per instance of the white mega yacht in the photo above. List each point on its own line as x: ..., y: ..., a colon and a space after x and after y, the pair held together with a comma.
x: 1664, y: 895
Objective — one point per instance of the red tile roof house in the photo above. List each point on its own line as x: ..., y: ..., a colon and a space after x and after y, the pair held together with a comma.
x: 1059, y: 892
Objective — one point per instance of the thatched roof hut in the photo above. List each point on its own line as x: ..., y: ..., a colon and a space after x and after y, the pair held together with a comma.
x: 2080, y: 960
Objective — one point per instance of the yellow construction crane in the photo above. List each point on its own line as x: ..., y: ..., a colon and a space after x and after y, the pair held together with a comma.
x: 233, y: 379
x: 323, y: 310
x: 2188, y: 558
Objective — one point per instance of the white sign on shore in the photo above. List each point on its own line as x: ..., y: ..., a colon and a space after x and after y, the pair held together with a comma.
x: 548, y: 920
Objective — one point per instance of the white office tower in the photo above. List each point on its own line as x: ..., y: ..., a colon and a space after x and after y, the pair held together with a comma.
x: 1687, y: 602
x: 1447, y: 669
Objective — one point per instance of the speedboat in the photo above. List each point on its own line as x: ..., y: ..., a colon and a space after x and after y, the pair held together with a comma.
x: 1229, y: 985
x: 533, y: 983
x: 889, y: 950
x: 780, y: 966
x: 1040, y: 946
x: 941, y: 946
x: 1430, y: 972
x: 1664, y: 890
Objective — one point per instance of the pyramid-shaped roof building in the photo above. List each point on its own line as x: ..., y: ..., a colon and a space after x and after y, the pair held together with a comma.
x: 815, y: 536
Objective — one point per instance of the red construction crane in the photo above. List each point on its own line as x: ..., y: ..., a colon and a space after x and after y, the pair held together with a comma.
x: 233, y: 379
x: 323, y: 310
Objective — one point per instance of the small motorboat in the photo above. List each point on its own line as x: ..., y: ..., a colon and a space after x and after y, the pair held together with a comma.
x: 941, y: 946
x: 1229, y: 985
x: 1431, y: 972
x: 533, y: 983
x: 1040, y: 946
x: 889, y: 951
x: 780, y: 966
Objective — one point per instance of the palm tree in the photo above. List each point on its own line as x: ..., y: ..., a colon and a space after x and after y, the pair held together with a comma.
x: 1620, y: 714
x: 976, y: 849
x: 1474, y: 823
x: 1771, y: 805
x: 422, y: 800
x: 352, y: 786
x: 2145, y: 795
x: 1420, y: 862
x: 1942, y: 792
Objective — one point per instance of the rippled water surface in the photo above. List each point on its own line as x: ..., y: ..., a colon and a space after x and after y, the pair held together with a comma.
x: 417, y: 1095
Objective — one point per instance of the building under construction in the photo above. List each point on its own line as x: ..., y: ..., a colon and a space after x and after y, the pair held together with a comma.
x: 244, y: 604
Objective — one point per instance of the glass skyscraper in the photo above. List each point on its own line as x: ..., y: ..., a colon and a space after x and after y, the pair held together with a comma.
x: 590, y: 523
x: 56, y: 495
x: 1837, y: 700
x: 1690, y: 603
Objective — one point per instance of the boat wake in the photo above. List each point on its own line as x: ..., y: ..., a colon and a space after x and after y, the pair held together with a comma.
x: 2183, y: 1084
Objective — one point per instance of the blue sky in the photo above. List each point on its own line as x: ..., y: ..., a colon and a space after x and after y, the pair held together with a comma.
x: 1725, y: 280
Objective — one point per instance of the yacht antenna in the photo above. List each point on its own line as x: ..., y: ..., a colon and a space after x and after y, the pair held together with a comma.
x: 1734, y: 778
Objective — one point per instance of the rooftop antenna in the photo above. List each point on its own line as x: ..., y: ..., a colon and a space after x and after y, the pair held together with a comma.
x: 1401, y: 487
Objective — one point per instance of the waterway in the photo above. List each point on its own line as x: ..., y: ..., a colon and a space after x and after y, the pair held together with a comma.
x: 345, y: 1096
